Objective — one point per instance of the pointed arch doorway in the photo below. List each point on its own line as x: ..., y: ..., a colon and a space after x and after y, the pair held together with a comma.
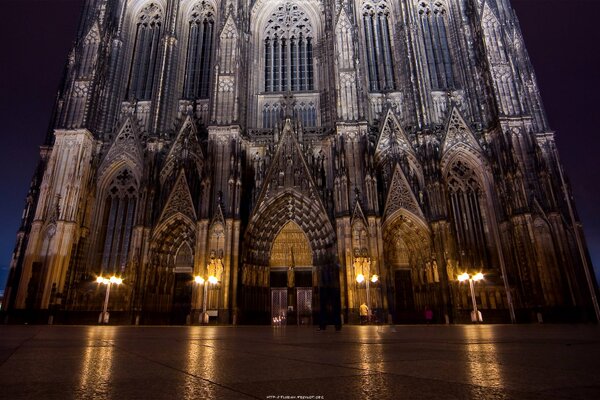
x: 182, y: 286
x: 291, y: 277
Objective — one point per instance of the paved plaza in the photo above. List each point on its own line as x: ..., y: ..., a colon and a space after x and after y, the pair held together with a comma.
x: 360, y: 362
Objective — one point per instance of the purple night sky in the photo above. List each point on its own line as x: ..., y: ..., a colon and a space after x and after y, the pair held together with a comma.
x: 35, y: 37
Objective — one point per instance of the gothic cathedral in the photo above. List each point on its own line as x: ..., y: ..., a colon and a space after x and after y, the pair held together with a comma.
x: 289, y: 161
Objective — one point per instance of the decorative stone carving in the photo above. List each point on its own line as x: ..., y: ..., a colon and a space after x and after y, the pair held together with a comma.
x: 392, y: 140
x: 459, y: 133
x: 126, y: 147
x: 186, y: 146
x: 400, y: 196
x: 180, y: 200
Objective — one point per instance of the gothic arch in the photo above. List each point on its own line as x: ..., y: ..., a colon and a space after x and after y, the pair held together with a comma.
x: 471, y: 207
x: 187, y: 7
x: 416, y: 228
x: 408, y: 244
x: 270, y: 216
x: 198, y: 30
x: 170, y: 234
x: 115, y: 215
x: 263, y: 9
x: 275, y: 28
x: 376, y: 19
x: 124, y: 152
x: 436, y: 40
x: 184, y: 257
x: 146, y: 25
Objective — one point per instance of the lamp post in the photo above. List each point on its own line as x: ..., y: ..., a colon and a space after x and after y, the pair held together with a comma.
x: 103, y: 318
x: 360, y: 278
x: 475, y: 314
x: 363, y: 262
x: 201, y: 281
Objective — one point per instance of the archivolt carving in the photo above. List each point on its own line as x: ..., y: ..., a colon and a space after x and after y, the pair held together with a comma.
x: 405, y: 230
x: 271, y: 216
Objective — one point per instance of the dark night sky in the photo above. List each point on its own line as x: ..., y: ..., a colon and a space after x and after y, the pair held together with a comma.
x: 562, y: 37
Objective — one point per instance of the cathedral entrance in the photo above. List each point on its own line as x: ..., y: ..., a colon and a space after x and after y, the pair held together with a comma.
x: 182, y: 286
x: 414, y: 272
x: 289, y: 244
x: 291, y: 277
x: 405, y: 301
x: 182, y: 298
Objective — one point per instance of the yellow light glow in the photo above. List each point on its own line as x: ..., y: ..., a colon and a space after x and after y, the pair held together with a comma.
x: 199, y: 280
x: 118, y: 281
x: 113, y: 279
x: 478, y: 276
x: 212, y: 279
x: 463, y: 277
x: 360, y: 278
x: 374, y: 278
x: 100, y: 279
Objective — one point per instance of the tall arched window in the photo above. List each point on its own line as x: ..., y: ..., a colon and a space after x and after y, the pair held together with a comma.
x: 376, y: 25
x: 288, y: 49
x: 467, y: 202
x: 118, y: 219
x: 89, y: 53
x: 145, y: 52
x: 199, y: 51
x: 435, y: 37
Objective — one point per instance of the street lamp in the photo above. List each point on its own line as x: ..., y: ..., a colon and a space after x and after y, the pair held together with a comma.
x: 201, y: 281
x: 363, y: 262
x: 475, y: 314
x: 103, y: 318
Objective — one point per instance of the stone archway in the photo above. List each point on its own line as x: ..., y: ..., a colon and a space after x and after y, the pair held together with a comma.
x: 288, y: 214
x: 414, y: 275
x: 167, y: 277
x: 291, y: 276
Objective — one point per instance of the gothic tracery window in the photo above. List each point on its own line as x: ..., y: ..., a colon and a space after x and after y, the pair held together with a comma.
x: 376, y: 25
x: 288, y: 49
x: 89, y: 53
x: 467, y: 202
x: 145, y: 51
x: 199, y: 51
x: 119, y: 212
x: 433, y: 15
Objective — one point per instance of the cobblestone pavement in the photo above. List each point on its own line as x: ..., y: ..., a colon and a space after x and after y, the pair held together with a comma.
x: 360, y: 362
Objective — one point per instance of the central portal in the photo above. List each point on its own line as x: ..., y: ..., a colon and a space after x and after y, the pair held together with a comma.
x: 291, y: 277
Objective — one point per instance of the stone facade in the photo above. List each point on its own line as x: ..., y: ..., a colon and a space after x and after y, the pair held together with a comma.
x: 289, y: 147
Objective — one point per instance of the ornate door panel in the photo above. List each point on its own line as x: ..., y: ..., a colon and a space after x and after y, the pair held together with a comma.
x: 304, y: 301
x: 278, y: 306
